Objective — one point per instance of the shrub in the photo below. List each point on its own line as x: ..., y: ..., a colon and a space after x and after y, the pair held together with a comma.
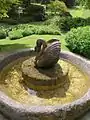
x: 15, y: 34
x: 27, y: 32
x: 33, y: 8
x: 78, y: 40
x: 47, y: 30
x: 37, y: 12
x: 25, y: 19
x: 40, y: 30
x: 9, y: 21
x: 2, y: 34
x: 12, y: 12
x: 66, y: 23
x: 22, y: 30
x: 57, y: 7
x: 65, y: 14
x: 53, y: 21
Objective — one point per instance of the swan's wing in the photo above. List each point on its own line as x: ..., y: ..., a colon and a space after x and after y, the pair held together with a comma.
x: 53, y: 50
x: 50, y: 55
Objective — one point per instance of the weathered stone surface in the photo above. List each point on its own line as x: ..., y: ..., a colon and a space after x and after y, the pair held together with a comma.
x: 16, y: 111
x: 86, y: 116
x: 2, y: 117
x: 43, y: 79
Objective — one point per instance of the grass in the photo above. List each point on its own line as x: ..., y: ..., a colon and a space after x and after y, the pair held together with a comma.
x: 80, y: 12
x: 27, y: 42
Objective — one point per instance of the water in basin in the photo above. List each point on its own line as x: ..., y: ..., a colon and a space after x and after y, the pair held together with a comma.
x: 75, y: 87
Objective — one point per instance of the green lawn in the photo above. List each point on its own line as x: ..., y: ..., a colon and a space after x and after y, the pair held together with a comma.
x: 80, y: 12
x: 11, y: 45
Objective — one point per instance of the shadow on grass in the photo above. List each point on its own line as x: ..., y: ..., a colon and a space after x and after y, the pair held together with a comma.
x: 12, y: 47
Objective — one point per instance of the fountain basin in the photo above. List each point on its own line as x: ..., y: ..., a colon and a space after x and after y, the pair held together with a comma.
x: 16, y: 111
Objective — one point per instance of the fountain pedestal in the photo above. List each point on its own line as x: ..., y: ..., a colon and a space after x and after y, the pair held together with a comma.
x: 42, y: 79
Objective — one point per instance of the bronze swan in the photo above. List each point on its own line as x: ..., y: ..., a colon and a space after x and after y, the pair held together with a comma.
x: 47, y: 53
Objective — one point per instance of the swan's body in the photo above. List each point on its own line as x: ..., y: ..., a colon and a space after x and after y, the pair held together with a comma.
x: 48, y: 53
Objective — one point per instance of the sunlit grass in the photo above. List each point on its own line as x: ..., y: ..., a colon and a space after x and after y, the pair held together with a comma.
x: 28, y: 42
x: 80, y: 12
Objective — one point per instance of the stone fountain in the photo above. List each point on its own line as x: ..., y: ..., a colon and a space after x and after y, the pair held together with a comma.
x: 44, y: 84
x: 42, y: 72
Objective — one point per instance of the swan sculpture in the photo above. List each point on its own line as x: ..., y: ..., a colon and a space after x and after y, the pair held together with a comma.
x: 47, y: 53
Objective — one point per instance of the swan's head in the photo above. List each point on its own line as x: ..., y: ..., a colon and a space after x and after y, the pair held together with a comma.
x: 39, y: 43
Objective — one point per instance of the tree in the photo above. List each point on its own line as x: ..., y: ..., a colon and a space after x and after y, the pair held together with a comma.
x: 5, y: 5
x: 57, y: 7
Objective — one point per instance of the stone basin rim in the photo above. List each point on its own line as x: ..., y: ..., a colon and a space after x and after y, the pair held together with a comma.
x: 18, y: 107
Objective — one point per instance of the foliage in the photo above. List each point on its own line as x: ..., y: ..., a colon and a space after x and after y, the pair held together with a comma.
x: 85, y: 3
x: 20, y: 31
x: 26, y: 3
x: 37, y: 12
x: 45, y: 1
x: 57, y: 7
x: 40, y: 30
x: 66, y: 23
x: 69, y: 3
x: 15, y: 34
x: 11, y: 21
x: 33, y: 8
x: 78, y: 40
x: 77, y: 2
x: 12, y: 12
x: 8, y: 21
x: 47, y: 30
x: 5, y: 5
x: 54, y: 21
x: 27, y: 32
x: 2, y: 34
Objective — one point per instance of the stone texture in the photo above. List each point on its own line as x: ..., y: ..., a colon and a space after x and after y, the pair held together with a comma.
x: 43, y: 79
x: 2, y: 117
x: 16, y: 111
